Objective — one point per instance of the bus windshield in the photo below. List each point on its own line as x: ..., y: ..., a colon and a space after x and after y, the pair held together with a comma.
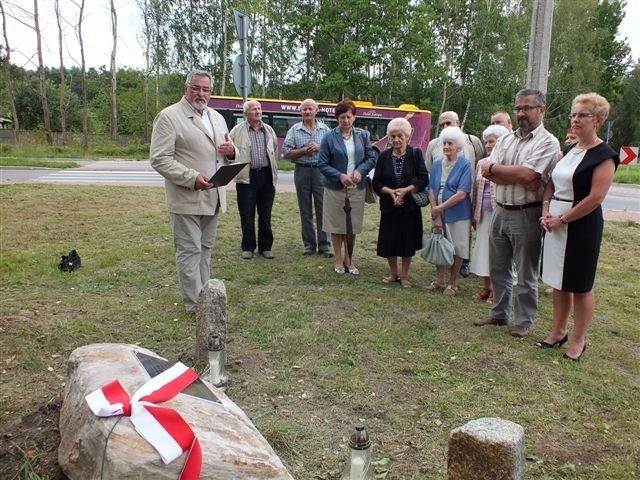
x: 281, y: 115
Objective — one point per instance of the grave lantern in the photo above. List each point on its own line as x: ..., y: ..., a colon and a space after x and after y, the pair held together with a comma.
x: 359, y: 465
x: 215, y: 350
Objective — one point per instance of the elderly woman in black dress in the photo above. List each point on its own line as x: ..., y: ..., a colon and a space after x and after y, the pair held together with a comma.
x: 572, y: 220
x: 400, y: 170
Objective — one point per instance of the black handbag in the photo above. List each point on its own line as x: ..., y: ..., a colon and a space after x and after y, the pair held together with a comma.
x: 70, y: 262
x: 369, y: 194
x: 421, y: 198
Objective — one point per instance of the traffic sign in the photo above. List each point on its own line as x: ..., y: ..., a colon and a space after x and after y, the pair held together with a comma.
x: 241, y: 70
x: 242, y: 26
x: 628, y: 155
x: 242, y: 76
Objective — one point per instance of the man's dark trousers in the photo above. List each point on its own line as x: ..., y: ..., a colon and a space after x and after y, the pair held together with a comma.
x: 258, y: 196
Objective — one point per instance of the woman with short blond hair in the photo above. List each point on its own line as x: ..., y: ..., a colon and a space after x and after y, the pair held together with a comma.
x: 573, y: 223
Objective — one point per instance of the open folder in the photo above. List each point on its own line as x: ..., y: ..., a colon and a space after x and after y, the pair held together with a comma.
x: 226, y: 173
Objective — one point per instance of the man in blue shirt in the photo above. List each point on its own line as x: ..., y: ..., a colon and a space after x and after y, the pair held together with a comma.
x: 302, y: 145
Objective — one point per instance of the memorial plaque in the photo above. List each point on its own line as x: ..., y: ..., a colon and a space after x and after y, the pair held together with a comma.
x: 155, y: 366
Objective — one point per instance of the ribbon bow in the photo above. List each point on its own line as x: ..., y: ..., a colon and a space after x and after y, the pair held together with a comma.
x: 163, y: 428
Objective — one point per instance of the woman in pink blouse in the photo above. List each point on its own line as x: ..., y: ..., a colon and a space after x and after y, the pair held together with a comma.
x: 482, y: 205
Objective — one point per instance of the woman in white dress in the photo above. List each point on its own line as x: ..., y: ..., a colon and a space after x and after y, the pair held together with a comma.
x: 573, y: 223
x: 482, y: 205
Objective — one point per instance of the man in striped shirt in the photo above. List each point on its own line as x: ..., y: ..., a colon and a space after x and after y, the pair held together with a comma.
x: 519, y: 166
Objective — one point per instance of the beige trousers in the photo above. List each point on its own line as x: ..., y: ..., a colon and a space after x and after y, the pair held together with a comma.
x: 193, y: 239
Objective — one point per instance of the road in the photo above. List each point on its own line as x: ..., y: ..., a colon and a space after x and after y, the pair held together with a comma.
x: 622, y: 202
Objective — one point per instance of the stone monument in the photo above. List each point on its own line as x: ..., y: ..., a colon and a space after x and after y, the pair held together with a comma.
x: 109, y: 448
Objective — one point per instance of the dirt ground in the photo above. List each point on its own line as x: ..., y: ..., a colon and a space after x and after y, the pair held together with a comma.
x: 30, y: 445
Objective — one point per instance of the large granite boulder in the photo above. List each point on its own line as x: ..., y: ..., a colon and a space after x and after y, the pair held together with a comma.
x: 486, y: 449
x: 94, y: 447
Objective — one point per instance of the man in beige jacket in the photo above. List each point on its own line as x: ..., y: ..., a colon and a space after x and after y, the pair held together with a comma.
x: 189, y: 142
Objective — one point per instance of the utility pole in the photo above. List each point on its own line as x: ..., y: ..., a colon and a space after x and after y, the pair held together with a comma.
x: 540, y: 44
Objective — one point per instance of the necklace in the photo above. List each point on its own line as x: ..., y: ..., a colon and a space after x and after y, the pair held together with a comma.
x: 347, y: 137
x: 588, y: 145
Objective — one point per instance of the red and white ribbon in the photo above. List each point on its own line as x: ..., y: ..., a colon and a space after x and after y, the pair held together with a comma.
x: 163, y: 428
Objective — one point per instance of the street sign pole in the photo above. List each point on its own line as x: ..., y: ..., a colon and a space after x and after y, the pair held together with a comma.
x: 241, y: 68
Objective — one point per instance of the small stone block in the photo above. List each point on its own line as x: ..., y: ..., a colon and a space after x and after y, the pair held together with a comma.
x: 486, y: 449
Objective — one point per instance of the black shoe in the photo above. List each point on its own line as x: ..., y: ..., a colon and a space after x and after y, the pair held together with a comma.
x: 464, y: 270
x: 559, y: 343
x: 308, y: 251
x: 577, y: 359
x: 326, y: 253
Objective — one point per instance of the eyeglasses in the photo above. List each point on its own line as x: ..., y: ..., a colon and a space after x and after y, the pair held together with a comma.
x: 581, y: 115
x: 446, y: 123
x: 196, y: 89
x: 526, y: 108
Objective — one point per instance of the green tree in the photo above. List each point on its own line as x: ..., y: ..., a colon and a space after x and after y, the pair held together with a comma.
x: 585, y: 56
x: 625, y: 118
x: 481, y: 63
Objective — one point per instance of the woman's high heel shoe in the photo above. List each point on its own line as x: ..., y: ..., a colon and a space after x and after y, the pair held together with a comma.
x: 577, y: 359
x: 559, y: 343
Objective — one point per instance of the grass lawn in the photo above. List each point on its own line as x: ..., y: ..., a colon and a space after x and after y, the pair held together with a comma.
x: 312, y: 352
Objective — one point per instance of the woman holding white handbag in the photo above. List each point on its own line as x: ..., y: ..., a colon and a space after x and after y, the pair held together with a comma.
x: 449, y: 194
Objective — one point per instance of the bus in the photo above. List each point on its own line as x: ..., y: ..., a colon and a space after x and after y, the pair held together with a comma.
x: 283, y: 114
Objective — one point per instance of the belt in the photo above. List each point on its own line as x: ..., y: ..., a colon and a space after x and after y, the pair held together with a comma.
x: 520, y: 207
x: 260, y: 169
x: 307, y: 165
x: 553, y: 197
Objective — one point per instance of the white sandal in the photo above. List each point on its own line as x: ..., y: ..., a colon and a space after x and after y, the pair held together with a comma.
x: 450, y: 291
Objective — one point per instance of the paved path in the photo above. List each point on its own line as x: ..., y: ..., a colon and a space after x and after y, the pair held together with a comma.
x: 622, y: 203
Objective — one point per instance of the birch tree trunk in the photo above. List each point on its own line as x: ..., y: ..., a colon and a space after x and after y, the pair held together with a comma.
x: 144, y: 6
x: 223, y: 80
x: 83, y: 75
x: 7, y: 76
x: 46, y: 114
x: 114, y: 106
x: 63, y: 102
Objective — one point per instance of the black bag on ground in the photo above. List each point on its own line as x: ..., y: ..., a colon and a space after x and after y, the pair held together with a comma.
x: 70, y: 262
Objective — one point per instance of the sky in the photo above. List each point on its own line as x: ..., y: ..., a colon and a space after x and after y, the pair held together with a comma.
x: 98, y: 41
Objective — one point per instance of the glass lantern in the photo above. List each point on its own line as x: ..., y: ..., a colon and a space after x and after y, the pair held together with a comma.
x: 359, y: 465
x: 215, y: 350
